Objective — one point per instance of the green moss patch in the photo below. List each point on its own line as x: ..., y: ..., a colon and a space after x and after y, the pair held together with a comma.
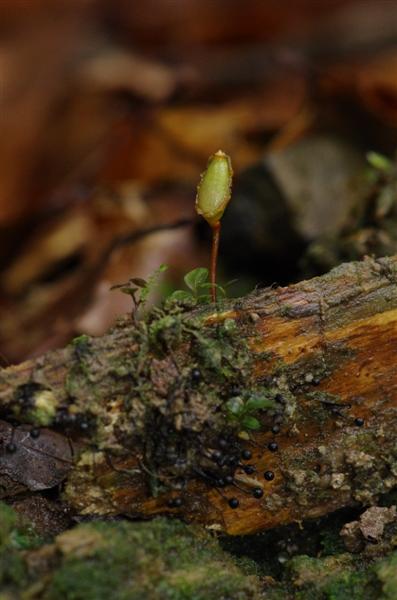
x: 158, y: 560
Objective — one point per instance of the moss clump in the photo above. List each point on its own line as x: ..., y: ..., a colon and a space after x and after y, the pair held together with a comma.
x: 158, y: 560
x: 12, y: 568
x: 164, y: 560
x: 387, y: 573
x: 340, y: 577
x: 8, y: 521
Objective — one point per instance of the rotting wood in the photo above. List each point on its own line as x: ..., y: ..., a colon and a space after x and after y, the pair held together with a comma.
x: 326, y: 346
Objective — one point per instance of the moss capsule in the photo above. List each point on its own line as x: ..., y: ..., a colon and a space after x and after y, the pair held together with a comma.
x: 214, y: 189
x: 213, y: 195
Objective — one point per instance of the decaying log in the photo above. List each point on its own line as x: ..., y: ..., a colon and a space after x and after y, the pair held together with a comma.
x: 147, y: 438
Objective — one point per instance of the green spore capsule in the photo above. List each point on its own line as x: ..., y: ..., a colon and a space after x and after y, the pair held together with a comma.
x: 213, y: 195
x: 215, y: 188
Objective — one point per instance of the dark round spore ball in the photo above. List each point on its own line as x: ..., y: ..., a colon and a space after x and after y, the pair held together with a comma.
x: 34, y: 433
x: 359, y: 422
x: 175, y: 502
x: 84, y: 425
x: 11, y: 448
x: 273, y: 446
x: 223, y: 443
x: 233, y: 503
x: 196, y: 375
x: 268, y: 475
x: 257, y: 493
x: 229, y: 479
x: 246, y: 454
x: 216, y: 455
x: 249, y: 469
x: 276, y: 429
x: 220, y: 482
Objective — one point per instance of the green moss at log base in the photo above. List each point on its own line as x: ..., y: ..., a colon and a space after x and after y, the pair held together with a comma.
x: 387, y: 574
x: 333, y: 578
x: 169, y: 560
x: 340, y: 577
x: 160, y: 560
x: 15, y: 538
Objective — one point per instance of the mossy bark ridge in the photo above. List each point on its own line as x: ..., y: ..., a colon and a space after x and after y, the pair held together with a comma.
x: 157, y: 414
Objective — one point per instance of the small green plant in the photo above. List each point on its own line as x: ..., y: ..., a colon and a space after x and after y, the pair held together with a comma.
x: 198, y: 288
x: 379, y: 162
x: 139, y: 289
x: 213, y: 195
x: 242, y: 411
x: 382, y: 175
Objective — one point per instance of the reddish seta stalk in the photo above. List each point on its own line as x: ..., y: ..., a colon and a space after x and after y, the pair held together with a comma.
x: 214, y: 258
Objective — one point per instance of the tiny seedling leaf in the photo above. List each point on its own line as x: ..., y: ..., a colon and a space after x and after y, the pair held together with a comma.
x: 251, y: 423
x: 258, y: 402
x: 139, y: 282
x: 130, y: 291
x: 181, y: 296
x: 209, y: 286
x: 196, y: 278
x: 151, y: 283
x: 379, y: 162
x: 203, y: 298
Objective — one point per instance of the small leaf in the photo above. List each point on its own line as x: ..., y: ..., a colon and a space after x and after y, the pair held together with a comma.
x: 117, y: 286
x: 235, y: 406
x: 204, y: 299
x: 181, y: 296
x: 130, y: 291
x: 209, y: 286
x: 385, y: 202
x: 196, y: 278
x: 379, y: 162
x: 151, y: 283
x: 258, y: 402
x: 139, y: 282
x: 251, y: 423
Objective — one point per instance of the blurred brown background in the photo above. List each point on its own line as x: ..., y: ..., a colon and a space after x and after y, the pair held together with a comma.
x: 109, y: 111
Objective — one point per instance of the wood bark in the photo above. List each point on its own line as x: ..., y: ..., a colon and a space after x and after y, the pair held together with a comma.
x: 328, y: 345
